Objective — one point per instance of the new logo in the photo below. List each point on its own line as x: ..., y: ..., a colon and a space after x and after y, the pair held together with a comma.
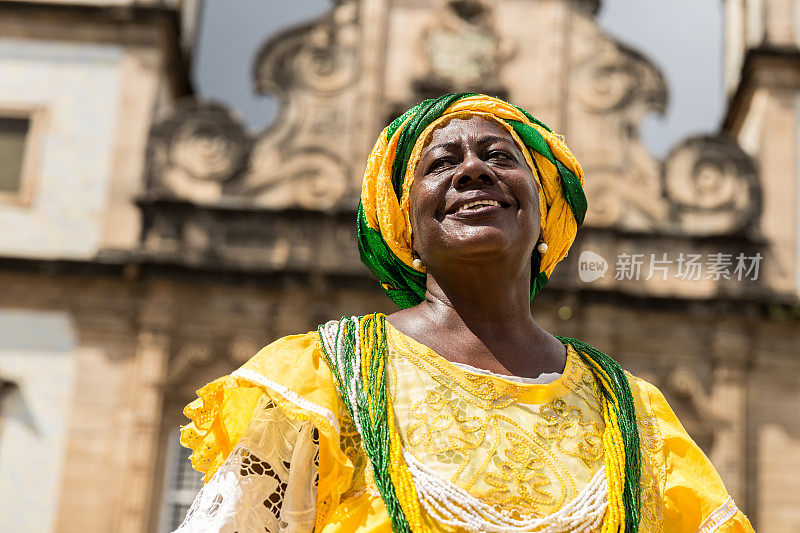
x: 591, y: 266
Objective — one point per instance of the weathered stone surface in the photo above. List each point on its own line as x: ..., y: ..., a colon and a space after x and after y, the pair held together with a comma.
x: 215, y: 241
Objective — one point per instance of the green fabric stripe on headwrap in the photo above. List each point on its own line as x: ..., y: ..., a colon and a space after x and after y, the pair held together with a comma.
x: 573, y: 190
x: 390, y: 271
x: 425, y: 113
x: 533, y: 139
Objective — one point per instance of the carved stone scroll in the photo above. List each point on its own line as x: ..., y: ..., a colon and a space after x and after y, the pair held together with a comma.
x: 304, y: 160
x: 712, y: 187
x: 195, y: 151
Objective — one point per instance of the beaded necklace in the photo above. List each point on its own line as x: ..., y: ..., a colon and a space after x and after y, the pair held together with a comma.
x: 356, y: 349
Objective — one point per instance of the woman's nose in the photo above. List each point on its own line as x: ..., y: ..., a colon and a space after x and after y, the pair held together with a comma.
x: 473, y: 170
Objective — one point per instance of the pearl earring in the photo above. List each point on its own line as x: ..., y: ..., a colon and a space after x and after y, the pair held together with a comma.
x: 542, y: 247
x: 417, y: 263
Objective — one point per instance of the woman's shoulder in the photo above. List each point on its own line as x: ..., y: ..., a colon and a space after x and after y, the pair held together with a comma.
x: 692, y: 490
x: 290, y: 372
x: 285, y: 356
x: 294, y: 370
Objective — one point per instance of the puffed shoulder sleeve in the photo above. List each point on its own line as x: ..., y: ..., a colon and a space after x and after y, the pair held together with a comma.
x: 695, y: 499
x: 267, y: 438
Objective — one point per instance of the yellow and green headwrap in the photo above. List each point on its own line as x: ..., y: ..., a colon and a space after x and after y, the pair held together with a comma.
x: 384, y: 227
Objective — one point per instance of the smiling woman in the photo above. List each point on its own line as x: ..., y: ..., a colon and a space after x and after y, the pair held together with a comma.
x: 458, y: 412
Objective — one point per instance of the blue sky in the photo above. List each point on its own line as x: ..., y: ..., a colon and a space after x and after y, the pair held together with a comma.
x: 688, y: 49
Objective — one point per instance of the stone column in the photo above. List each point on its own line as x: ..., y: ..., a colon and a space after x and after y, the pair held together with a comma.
x: 139, y: 435
x: 730, y: 358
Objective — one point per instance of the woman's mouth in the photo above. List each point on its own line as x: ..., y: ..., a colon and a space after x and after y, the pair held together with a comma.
x: 477, y: 205
x: 479, y: 209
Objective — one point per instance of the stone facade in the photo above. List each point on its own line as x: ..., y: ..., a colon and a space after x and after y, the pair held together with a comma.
x: 188, y: 243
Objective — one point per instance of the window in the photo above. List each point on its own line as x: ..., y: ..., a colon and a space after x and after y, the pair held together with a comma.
x: 13, y: 134
x: 182, y: 485
x: 19, y: 139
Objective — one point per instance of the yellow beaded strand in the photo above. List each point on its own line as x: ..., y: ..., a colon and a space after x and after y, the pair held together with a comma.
x: 401, y: 477
x: 614, y: 457
x: 615, y: 471
x: 406, y: 492
x: 365, y: 328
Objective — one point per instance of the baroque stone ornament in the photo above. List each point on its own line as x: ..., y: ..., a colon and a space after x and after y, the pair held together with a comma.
x: 195, y: 151
x: 302, y: 161
x: 712, y: 187
x: 461, y: 45
x: 617, y: 78
x: 706, y: 186
x: 462, y: 51
x: 312, y: 155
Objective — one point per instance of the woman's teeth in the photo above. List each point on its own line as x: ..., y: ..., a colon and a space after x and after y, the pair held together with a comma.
x: 479, y: 203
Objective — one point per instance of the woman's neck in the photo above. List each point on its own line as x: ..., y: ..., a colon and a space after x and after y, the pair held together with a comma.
x: 482, y: 317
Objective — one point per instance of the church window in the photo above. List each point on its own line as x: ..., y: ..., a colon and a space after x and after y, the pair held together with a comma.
x: 18, y: 140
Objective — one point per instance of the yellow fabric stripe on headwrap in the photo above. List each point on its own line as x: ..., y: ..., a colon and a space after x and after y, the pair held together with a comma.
x: 384, y: 224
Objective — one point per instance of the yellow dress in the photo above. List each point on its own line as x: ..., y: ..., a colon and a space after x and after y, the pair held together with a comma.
x: 280, y: 452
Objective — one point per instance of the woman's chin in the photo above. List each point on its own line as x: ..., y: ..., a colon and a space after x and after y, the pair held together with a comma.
x: 480, y: 245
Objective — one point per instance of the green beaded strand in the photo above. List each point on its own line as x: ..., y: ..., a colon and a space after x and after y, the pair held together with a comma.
x: 375, y: 428
x: 626, y: 418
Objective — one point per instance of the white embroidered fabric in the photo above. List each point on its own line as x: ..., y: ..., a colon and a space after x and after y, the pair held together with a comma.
x: 542, y: 379
x: 719, y: 516
x: 268, y: 483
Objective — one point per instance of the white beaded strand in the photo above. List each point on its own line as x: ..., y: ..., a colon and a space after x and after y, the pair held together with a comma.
x: 452, y: 505
x: 334, y: 340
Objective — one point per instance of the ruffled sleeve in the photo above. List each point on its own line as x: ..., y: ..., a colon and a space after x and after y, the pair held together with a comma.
x: 695, y: 498
x: 219, y: 416
x: 267, y: 482
x: 292, y: 376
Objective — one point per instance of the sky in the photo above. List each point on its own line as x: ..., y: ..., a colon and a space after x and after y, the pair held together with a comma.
x: 687, y: 49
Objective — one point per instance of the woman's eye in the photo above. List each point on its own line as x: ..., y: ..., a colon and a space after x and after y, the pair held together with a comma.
x: 441, y: 163
x: 499, y: 154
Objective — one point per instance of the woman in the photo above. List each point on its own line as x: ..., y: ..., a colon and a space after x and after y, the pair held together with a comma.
x: 457, y: 412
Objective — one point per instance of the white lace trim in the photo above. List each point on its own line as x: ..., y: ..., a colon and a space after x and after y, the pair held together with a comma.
x: 289, y: 395
x: 719, y: 516
x: 267, y: 483
x: 542, y: 379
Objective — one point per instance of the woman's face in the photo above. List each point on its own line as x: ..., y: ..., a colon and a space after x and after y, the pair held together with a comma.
x: 473, y: 195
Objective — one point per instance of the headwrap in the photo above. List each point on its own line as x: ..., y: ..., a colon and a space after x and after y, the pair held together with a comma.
x: 384, y: 226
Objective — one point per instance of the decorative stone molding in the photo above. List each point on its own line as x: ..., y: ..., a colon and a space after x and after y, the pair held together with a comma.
x: 196, y: 151
x: 202, y: 154
x: 251, y: 240
x: 695, y: 407
x: 303, y: 161
x: 617, y: 78
x: 706, y: 186
x: 196, y: 355
x: 190, y: 355
x: 711, y: 186
x: 686, y: 384
x: 316, y: 57
x: 311, y: 157
x: 462, y: 50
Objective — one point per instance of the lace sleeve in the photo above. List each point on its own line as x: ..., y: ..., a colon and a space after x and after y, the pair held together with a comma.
x: 267, y: 483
